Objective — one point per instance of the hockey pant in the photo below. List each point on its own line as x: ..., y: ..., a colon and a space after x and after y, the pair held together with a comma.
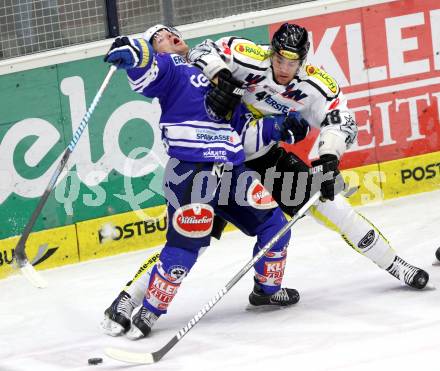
x: 194, y: 193
x: 286, y: 176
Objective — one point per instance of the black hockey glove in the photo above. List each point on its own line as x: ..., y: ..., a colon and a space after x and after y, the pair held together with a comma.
x: 226, y: 95
x: 326, y: 172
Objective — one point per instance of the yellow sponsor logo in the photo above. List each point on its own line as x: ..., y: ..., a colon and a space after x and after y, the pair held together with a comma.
x: 289, y: 55
x: 130, y: 232
x: 324, y: 77
x: 395, y: 178
x: 412, y: 175
x: 252, y: 51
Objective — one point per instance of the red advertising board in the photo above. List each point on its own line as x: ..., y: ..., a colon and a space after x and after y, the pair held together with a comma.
x: 386, y: 58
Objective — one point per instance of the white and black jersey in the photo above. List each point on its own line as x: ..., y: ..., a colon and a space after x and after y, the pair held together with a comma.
x: 312, y: 92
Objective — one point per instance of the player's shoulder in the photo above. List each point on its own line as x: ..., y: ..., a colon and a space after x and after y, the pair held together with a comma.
x: 174, y: 59
x: 320, y: 80
x: 248, y: 53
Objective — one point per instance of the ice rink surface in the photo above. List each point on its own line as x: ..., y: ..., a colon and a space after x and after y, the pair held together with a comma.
x: 352, y: 315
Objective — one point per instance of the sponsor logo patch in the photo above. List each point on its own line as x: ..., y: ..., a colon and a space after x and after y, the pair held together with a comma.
x: 194, y: 220
x: 162, y: 290
x: 178, y: 60
x: 367, y: 240
x: 252, y: 51
x: 217, y: 154
x: 274, y: 270
x: 323, y: 77
x: 289, y: 55
x: 259, y: 197
x: 214, y: 136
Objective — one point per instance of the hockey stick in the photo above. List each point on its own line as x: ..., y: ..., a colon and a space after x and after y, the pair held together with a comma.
x: 20, y: 254
x: 149, y: 358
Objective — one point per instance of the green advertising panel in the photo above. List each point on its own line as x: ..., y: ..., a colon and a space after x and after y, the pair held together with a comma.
x: 117, y: 165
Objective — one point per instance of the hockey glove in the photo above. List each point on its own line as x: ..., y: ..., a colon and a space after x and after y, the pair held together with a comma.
x: 290, y: 129
x: 327, y: 173
x: 128, y: 53
x: 226, y: 95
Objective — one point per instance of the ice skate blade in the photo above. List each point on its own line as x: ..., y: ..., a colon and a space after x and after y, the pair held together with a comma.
x: 266, y: 307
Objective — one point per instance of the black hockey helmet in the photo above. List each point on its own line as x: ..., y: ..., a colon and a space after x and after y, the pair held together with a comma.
x: 291, y: 41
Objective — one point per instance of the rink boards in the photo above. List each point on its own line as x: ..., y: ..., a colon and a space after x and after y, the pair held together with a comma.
x: 146, y: 228
x: 391, y: 82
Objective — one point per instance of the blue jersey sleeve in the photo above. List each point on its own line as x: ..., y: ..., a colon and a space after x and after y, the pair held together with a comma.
x: 255, y: 134
x: 156, y: 78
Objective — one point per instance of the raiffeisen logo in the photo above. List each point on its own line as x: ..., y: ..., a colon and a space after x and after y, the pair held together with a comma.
x: 251, y: 51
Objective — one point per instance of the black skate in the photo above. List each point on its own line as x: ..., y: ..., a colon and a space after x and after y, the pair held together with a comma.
x: 407, y: 273
x: 117, y: 316
x: 141, y: 324
x: 283, y: 297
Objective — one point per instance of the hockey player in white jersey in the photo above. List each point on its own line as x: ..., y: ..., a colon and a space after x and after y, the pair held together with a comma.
x: 278, y: 81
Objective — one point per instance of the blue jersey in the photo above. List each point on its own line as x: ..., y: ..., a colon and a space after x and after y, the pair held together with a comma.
x: 190, y: 131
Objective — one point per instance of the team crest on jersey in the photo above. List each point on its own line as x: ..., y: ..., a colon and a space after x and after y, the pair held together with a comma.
x: 194, y: 220
x: 324, y: 77
x: 252, y: 51
x: 259, y: 197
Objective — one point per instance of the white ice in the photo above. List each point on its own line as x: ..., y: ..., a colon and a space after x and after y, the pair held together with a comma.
x: 352, y: 315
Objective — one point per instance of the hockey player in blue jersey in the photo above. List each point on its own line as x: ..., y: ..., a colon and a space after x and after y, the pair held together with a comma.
x: 203, y: 149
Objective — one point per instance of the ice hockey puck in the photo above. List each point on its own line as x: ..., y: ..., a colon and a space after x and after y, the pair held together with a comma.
x: 94, y: 361
x: 437, y: 254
